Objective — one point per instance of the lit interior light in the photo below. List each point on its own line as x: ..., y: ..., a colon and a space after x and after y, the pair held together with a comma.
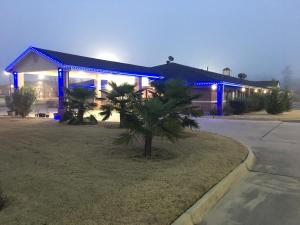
x: 243, y: 89
x: 255, y: 90
x: 41, y: 76
x: 214, y: 87
x: 265, y: 91
x: 11, y: 86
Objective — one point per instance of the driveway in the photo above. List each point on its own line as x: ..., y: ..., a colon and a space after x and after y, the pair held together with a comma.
x: 270, y: 193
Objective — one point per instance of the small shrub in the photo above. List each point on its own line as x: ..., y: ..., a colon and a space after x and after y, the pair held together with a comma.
x: 227, y: 110
x: 239, y: 106
x: 274, y: 102
x: 78, y: 102
x: 9, y: 103
x: 23, y: 100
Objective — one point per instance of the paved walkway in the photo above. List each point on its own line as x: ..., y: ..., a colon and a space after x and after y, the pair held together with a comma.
x: 270, y: 194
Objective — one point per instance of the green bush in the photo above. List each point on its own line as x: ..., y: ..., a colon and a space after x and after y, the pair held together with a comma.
x: 22, y: 101
x: 238, y: 106
x: 227, y: 110
x: 278, y: 101
x: 275, y: 102
x: 9, y: 103
x: 256, y: 103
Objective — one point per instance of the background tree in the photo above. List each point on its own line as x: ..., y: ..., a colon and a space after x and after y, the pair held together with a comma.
x: 287, y: 99
x: 78, y: 102
x: 119, y: 99
x: 166, y: 115
x: 274, y: 103
x: 242, y: 76
x: 22, y: 101
x: 287, y: 79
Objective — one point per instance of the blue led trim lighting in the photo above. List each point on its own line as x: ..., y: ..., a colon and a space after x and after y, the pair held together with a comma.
x: 90, y: 69
x: 216, y: 82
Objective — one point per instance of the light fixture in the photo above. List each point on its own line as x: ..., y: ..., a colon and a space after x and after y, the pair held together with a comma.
x: 41, y: 76
x: 265, y: 91
x: 255, y: 90
x: 6, y: 73
x: 214, y: 87
x: 243, y: 89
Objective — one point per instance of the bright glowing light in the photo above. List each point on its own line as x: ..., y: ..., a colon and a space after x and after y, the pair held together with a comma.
x: 6, y: 73
x: 214, y: 87
x: 265, y: 91
x: 108, y: 56
x: 243, y: 89
x: 41, y: 76
x: 255, y: 90
x: 145, y: 82
x: 11, y: 86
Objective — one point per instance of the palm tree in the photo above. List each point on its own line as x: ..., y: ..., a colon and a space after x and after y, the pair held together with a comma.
x: 161, y: 115
x: 119, y: 99
x: 78, y: 101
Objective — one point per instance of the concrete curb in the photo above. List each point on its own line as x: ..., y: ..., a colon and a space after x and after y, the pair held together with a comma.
x: 196, y: 213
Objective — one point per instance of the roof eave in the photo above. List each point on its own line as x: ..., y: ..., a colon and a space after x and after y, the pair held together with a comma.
x: 10, y: 67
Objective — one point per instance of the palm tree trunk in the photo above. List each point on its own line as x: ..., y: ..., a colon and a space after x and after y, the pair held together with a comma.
x: 80, y: 115
x: 122, y: 116
x: 148, y: 146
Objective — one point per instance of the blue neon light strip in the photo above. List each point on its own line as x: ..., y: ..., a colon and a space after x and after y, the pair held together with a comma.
x: 60, y: 81
x: 80, y: 68
x: 72, y: 67
x: 220, y: 99
x: 216, y: 82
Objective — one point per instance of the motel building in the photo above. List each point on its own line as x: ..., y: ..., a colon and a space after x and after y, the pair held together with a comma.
x: 50, y: 72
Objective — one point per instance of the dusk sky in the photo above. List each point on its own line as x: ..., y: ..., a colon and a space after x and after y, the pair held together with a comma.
x: 257, y: 37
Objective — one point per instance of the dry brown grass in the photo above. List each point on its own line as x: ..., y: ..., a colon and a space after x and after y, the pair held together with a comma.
x: 73, y: 175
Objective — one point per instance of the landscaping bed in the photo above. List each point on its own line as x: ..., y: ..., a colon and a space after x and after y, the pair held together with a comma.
x: 73, y: 175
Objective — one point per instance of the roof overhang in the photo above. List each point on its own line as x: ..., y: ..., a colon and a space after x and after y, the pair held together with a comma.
x: 59, y: 64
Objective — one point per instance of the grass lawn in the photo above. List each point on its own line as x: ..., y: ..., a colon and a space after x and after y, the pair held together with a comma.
x: 74, y: 175
x: 293, y: 115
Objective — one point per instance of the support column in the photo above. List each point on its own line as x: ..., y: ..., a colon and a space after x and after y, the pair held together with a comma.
x: 220, y: 96
x: 139, y: 83
x: 16, y: 80
x: 20, y: 80
x: 62, y: 84
x: 97, y: 83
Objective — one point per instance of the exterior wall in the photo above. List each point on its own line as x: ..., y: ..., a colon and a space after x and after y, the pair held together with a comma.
x: 208, y: 99
x: 33, y: 62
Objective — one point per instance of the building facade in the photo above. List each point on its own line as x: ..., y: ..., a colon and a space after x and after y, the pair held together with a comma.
x: 50, y: 72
